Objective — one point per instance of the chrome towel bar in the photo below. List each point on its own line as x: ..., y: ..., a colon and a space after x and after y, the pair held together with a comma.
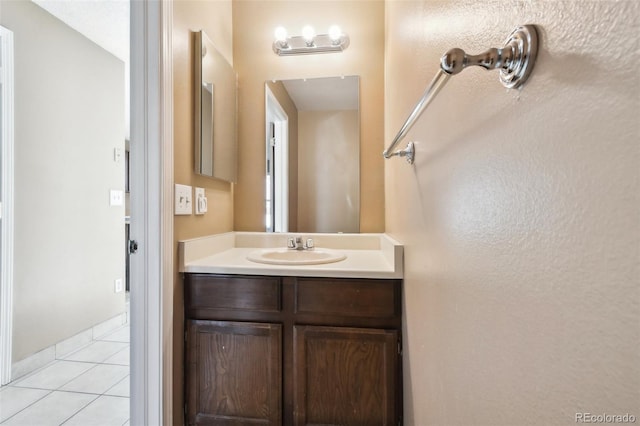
x: 515, y: 61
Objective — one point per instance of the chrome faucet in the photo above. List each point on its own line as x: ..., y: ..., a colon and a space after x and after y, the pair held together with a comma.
x: 297, y: 244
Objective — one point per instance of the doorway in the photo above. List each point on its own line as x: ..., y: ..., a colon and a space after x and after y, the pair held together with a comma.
x: 152, y: 269
x: 69, y: 337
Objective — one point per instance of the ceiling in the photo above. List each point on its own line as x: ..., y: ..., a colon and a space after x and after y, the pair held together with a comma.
x: 318, y: 94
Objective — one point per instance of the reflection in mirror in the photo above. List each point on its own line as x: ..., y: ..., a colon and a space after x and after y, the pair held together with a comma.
x: 206, y: 126
x: 312, y: 155
x: 215, y: 112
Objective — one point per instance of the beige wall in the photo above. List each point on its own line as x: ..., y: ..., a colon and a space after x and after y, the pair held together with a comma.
x: 214, y: 18
x: 520, y: 215
x: 255, y: 62
x: 328, y: 150
x: 69, y: 243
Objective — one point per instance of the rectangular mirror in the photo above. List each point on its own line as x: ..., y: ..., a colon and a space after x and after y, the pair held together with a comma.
x: 312, y: 155
x: 215, y: 84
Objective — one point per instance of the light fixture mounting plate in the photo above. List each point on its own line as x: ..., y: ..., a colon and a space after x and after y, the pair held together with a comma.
x: 322, y: 43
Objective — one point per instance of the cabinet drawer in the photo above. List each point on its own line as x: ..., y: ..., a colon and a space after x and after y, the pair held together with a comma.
x: 233, y: 292
x: 348, y: 297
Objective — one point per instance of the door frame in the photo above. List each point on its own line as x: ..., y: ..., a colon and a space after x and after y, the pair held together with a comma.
x: 276, y: 114
x: 6, y: 211
x: 151, y: 212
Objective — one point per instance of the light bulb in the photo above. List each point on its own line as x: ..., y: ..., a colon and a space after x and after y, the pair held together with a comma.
x: 281, y: 34
x: 308, y: 33
x: 335, y: 33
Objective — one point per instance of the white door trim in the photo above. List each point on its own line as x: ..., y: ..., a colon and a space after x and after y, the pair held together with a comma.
x: 276, y: 114
x: 151, y: 212
x: 6, y: 209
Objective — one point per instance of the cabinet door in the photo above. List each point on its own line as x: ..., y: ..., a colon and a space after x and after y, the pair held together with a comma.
x: 233, y: 373
x: 345, y: 376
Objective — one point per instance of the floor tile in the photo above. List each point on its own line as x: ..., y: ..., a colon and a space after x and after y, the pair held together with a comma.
x: 98, y: 351
x: 119, y: 335
x: 98, y: 379
x: 13, y: 400
x: 54, y: 375
x: 73, y: 343
x: 122, y: 388
x: 52, y: 410
x: 104, y: 411
x: 121, y: 358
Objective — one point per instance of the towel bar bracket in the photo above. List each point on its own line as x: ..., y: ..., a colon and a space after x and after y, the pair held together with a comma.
x: 515, y: 60
x: 409, y: 153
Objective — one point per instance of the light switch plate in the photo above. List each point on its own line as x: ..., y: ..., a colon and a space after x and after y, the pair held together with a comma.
x: 117, y: 285
x: 116, y: 197
x: 201, y: 201
x: 183, y: 200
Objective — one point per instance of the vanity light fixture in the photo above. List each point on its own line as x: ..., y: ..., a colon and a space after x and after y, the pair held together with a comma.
x: 309, y: 42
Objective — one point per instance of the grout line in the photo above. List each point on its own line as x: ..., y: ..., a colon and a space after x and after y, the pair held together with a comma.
x: 125, y: 378
x: 76, y: 413
x: 18, y: 412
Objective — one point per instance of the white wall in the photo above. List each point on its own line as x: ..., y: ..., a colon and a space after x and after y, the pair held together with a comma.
x: 69, y: 117
x: 520, y: 215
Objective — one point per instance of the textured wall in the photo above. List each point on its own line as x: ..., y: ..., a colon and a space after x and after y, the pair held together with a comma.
x: 69, y: 243
x: 520, y: 215
x: 253, y: 26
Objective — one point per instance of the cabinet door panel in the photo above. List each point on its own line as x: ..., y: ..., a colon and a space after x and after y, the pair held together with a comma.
x: 234, y: 373
x: 345, y: 376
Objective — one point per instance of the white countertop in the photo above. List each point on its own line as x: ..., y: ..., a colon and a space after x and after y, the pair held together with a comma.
x: 368, y: 255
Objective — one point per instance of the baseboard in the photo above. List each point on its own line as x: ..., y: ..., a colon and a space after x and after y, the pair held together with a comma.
x: 66, y: 346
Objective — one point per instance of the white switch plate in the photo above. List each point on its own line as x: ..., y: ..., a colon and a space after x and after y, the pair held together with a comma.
x: 116, y: 197
x: 117, y: 285
x: 201, y: 201
x: 183, y: 200
x: 117, y: 154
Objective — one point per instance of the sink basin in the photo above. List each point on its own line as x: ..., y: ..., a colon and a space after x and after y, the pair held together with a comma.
x: 295, y: 257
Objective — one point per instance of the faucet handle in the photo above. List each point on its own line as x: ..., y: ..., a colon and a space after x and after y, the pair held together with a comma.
x: 309, y: 244
x: 291, y: 243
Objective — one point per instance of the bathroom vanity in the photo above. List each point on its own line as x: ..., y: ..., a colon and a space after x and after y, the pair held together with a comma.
x: 309, y: 344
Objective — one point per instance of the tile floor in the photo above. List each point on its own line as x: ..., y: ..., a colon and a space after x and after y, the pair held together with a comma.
x: 87, y: 387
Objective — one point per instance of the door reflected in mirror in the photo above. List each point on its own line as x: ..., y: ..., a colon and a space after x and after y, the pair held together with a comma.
x: 312, y: 155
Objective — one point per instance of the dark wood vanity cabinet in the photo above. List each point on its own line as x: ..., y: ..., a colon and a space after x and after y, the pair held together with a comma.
x: 292, y: 351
